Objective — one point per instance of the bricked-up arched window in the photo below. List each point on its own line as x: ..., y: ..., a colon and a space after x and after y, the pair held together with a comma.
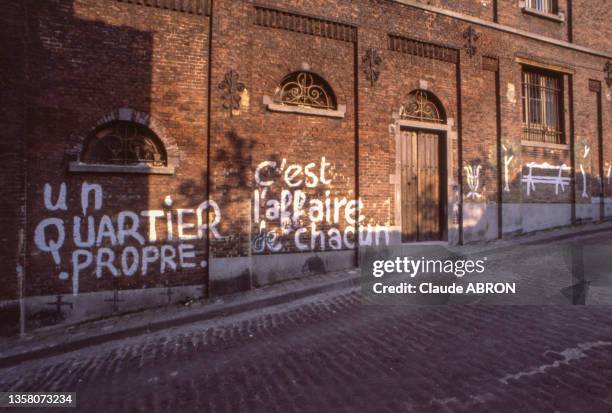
x: 305, y: 89
x: 124, y: 143
x: 422, y: 106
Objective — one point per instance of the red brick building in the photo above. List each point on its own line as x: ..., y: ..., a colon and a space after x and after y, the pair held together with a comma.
x: 159, y: 149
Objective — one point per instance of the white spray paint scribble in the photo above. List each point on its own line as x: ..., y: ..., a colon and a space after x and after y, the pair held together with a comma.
x: 507, y: 162
x: 559, y: 181
x: 584, y: 182
x: 585, y: 153
x: 473, y: 180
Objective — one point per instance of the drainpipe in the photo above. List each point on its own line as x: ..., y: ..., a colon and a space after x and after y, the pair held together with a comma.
x: 21, y: 243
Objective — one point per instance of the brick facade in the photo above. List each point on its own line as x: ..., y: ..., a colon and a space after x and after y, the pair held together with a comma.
x: 257, y: 193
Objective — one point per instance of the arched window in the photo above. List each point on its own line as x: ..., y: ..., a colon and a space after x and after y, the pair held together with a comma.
x: 124, y: 143
x: 423, y: 106
x: 305, y: 89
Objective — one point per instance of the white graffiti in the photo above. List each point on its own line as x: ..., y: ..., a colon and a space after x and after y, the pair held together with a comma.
x: 50, y: 244
x: 60, y: 204
x: 609, y: 174
x: 101, y: 246
x: 507, y: 162
x: 300, y: 216
x: 585, y: 153
x: 473, y: 180
x: 558, y: 180
x: 266, y: 239
x: 86, y: 189
x: 584, y: 182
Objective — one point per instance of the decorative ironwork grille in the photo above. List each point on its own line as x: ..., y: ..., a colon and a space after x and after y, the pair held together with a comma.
x: 306, y: 89
x: 232, y: 89
x: 544, y: 6
x: 471, y: 36
x: 371, y: 62
x: 423, y: 107
x: 542, y: 107
x: 124, y: 143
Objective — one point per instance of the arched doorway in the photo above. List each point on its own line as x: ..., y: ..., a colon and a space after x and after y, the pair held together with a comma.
x: 422, y: 155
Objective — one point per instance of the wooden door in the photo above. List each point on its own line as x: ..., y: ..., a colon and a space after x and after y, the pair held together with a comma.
x: 409, y: 189
x: 422, y: 193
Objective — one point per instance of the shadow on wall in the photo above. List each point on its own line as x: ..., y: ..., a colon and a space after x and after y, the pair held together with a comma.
x: 12, y: 152
x: 230, y: 181
x: 80, y: 70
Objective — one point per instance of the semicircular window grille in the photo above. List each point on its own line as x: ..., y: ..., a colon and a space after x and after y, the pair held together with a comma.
x: 305, y: 89
x: 422, y: 106
x: 124, y: 143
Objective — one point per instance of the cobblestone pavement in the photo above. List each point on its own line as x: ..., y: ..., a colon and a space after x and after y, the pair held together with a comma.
x: 337, y: 353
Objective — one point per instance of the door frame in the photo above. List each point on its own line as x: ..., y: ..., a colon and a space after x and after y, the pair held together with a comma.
x: 450, y: 209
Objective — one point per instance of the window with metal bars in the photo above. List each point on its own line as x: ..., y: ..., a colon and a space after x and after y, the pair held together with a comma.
x: 542, y: 107
x: 124, y: 143
x: 544, y: 6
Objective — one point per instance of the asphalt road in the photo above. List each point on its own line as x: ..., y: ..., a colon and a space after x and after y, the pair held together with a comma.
x: 339, y: 353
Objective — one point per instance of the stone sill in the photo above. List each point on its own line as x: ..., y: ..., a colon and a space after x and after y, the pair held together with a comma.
x: 561, y: 146
x: 304, y: 110
x: 123, y: 169
x: 559, y: 17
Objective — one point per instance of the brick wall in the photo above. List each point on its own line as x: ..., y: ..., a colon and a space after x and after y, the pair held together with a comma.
x: 87, y: 60
x: 591, y: 22
x: 90, y: 59
x: 512, y: 13
x: 477, y: 8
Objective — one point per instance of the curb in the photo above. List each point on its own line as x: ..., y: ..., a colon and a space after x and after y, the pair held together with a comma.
x: 541, y: 239
x: 228, y: 310
x: 569, y: 235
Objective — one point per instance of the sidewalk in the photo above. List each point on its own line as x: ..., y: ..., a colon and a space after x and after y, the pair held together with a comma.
x: 535, y: 238
x: 56, y: 340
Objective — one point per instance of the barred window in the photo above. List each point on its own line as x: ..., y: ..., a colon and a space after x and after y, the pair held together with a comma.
x: 124, y: 143
x: 542, y: 107
x: 305, y: 89
x: 544, y: 6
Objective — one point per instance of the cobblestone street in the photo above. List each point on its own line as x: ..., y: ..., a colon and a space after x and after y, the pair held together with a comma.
x: 337, y: 352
